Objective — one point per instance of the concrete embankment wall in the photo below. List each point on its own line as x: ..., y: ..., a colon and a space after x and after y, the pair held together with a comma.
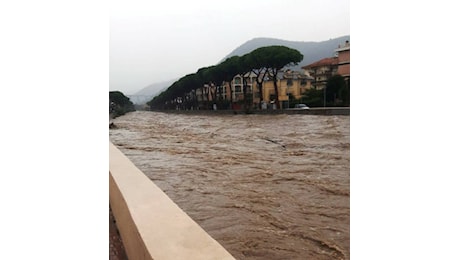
x: 311, y: 111
x: 151, y: 225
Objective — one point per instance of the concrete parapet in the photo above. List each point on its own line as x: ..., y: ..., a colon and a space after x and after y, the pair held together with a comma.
x: 151, y: 225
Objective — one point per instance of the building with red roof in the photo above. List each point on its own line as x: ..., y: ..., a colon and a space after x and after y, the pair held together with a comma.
x: 322, y: 70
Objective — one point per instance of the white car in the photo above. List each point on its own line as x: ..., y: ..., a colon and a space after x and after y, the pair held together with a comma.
x: 300, y: 107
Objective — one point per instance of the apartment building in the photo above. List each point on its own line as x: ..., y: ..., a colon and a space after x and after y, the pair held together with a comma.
x: 343, y: 56
x: 238, y: 85
x: 291, y: 86
x: 322, y: 70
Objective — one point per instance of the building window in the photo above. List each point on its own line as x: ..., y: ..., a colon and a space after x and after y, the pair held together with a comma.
x: 237, y: 80
x: 303, y: 82
x: 237, y: 89
x: 289, y: 82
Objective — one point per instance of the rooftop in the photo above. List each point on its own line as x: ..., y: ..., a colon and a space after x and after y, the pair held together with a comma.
x: 324, y: 62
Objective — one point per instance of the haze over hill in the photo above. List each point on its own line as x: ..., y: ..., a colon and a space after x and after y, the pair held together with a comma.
x: 146, y: 94
x: 312, y: 51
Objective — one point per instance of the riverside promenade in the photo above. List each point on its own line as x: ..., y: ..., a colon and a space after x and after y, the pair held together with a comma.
x: 311, y: 111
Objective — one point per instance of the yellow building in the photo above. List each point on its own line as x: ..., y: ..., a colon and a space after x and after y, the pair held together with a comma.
x: 291, y: 86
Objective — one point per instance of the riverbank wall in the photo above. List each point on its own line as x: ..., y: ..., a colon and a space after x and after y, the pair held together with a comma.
x: 345, y: 111
x: 151, y: 225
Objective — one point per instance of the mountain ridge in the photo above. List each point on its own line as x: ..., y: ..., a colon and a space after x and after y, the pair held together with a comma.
x: 312, y: 51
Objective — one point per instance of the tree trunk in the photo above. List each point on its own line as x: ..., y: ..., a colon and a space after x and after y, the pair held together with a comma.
x: 244, y: 94
x: 207, y: 97
x: 275, y: 85
x: 260, y: 81
x: 195, y: 100
x: 261, y: 94
x: 214, y: 93
x: 231, y: 94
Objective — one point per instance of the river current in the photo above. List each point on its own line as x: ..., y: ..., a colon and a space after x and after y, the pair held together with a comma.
x: 263, y: 186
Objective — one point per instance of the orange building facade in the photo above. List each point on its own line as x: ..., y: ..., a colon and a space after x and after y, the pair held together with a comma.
x: 343, y: 55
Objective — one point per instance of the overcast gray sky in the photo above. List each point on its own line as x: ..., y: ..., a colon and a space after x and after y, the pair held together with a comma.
x: 155, y: 41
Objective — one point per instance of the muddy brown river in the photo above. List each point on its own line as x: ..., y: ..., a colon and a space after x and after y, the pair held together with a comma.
x: 263, y: 186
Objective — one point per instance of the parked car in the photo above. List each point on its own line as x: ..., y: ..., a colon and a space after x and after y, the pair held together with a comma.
x: 300, y: 107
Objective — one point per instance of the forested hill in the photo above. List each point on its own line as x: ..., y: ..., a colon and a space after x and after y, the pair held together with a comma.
x: 312, y: 51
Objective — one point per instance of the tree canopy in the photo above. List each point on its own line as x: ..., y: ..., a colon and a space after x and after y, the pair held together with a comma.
x: 262, y: 61
x: 337, y: 91
x: 119, y: 104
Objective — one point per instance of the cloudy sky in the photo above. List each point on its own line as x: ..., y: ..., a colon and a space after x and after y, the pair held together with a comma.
x: 153, y: 41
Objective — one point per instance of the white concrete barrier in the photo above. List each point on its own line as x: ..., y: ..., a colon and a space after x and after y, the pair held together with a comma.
x: 151, y: 225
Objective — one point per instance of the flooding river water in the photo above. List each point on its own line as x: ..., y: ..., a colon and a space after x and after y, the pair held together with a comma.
x: 263, y: 186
